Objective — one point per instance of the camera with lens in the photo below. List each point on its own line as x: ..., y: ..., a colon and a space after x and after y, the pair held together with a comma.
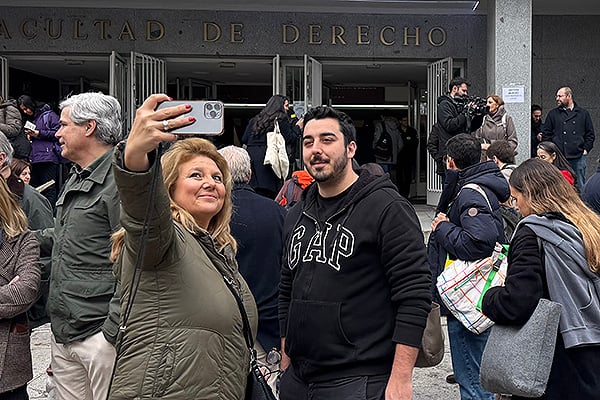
x: 475, y: 106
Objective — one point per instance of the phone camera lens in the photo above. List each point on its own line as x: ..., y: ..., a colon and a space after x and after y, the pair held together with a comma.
x: 217, y: 106
x: 209, y: 106
x: 213, y: 114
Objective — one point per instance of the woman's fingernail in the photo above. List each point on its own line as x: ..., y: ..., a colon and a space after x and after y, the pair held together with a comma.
x: 170, y: 99
x: 192, y: 119
x: 188, y: 106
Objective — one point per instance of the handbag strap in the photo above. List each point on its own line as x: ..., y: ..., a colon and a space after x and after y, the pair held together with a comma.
x: 245, y: 321
x: 277, y: 130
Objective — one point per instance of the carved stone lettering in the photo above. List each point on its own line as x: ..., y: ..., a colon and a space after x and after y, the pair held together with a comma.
x: 408, y: 36
x: 54, y: 28
x: 4, y: 33
x: 362, y: 33
x: 28, y: 28
x: 337, y: 34
x: 291, y: 34
x: 236, y: 33
x: 437, y: 36
x: 384, y: 36
x: 77, y: 24
x: 155, y: 30
x: 212, y: 32
x: 102, y: 24
x: 126, y: 31
x: 314, y: 34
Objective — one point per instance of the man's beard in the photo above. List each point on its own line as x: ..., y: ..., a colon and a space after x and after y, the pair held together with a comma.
x: 338, y: 166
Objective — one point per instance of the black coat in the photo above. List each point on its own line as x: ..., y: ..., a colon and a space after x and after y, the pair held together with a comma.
x: 571, y: 131
x: 591, y: 192
x: 452, y: 118
x: 263, y: 178
x: 257, y: 226
x: 574, y: 374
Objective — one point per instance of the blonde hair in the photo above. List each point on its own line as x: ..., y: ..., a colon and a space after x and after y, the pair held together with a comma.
x: 181, y: 152
x: 12, y: 218
x: 546, y: 190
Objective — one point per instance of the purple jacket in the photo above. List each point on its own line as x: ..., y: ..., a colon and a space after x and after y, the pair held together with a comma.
x: 44, y: 148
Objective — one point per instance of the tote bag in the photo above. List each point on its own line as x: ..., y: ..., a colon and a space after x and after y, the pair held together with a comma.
x: 517, y: 359
x: 276, y: 154
x: 463, y: 284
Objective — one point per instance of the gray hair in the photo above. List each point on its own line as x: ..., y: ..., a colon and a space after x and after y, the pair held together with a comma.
x: 238, y: 161
x: 7, y: 149
x: 103, y: 109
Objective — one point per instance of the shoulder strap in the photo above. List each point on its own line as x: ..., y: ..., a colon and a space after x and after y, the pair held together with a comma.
x: 245, y: 322
x: 277, y: 126
x: 289, y: 193
x: 478, y: 189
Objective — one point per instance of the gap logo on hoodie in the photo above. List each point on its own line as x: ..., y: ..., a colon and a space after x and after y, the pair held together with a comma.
x: 316, y: 249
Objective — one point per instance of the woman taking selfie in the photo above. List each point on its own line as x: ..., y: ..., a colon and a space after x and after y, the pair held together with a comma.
x: 19, y: 285
x: 183, y: 337
x: 552, y: 207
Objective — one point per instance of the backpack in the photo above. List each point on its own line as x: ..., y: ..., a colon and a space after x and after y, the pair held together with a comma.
x: 384, y: 146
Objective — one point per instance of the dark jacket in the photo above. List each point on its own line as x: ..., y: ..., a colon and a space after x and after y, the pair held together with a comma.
x: 19, y: 255
x: 571, y: 131
x: 473, y: 229
x: 453, y: 119
x: 263, y: 177
x: 358, y: 281
x: 257, y: 226
x: 591, y: 192
x: 44, y: 147
x: 574, y: 373
x: 11, y: 125
x: 436, y: 146
x: 83, y: 297
x: 184, y: 337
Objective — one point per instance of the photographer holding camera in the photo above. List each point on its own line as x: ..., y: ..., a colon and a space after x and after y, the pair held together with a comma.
x: 457, y: 113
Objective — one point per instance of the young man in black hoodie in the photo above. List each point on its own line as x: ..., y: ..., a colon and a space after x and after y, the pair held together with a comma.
x: 354, y: 294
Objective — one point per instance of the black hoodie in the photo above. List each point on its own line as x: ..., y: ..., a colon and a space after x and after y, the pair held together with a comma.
x: 355, y: 285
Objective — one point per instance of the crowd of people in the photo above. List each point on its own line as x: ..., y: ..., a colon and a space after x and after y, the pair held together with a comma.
x: 166, y: 263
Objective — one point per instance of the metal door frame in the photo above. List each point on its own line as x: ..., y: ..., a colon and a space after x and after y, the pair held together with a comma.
x: 118, y: 87
x: 439, y: 75
x: 147, y: 75
x: 4, y: 77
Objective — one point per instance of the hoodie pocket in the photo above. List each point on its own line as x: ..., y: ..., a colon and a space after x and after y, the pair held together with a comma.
x: 315, y: 333
x: 590, y: 310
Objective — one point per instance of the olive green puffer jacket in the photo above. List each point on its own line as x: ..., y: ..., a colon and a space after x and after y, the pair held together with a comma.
x: 184, y: 337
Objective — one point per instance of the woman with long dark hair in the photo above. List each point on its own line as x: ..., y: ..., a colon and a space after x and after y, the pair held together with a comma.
x: 552, y: 208
x: 45, y: 154
x: 550, y: 152
x: 263, y: 179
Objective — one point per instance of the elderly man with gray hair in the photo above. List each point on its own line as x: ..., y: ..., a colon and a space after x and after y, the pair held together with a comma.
x: 83, y: 303
x: 257, y: 225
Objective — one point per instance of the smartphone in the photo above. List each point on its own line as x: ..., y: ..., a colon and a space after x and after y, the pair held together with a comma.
x: 208, y: 114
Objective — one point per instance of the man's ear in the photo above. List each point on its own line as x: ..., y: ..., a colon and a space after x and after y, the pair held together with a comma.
x: 90, y: 127
x: 451, y: 164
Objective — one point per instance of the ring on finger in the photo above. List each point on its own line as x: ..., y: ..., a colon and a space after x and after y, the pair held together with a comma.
x: 165, y: 125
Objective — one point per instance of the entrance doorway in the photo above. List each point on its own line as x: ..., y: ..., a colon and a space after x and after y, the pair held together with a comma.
x: 365, y: 89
